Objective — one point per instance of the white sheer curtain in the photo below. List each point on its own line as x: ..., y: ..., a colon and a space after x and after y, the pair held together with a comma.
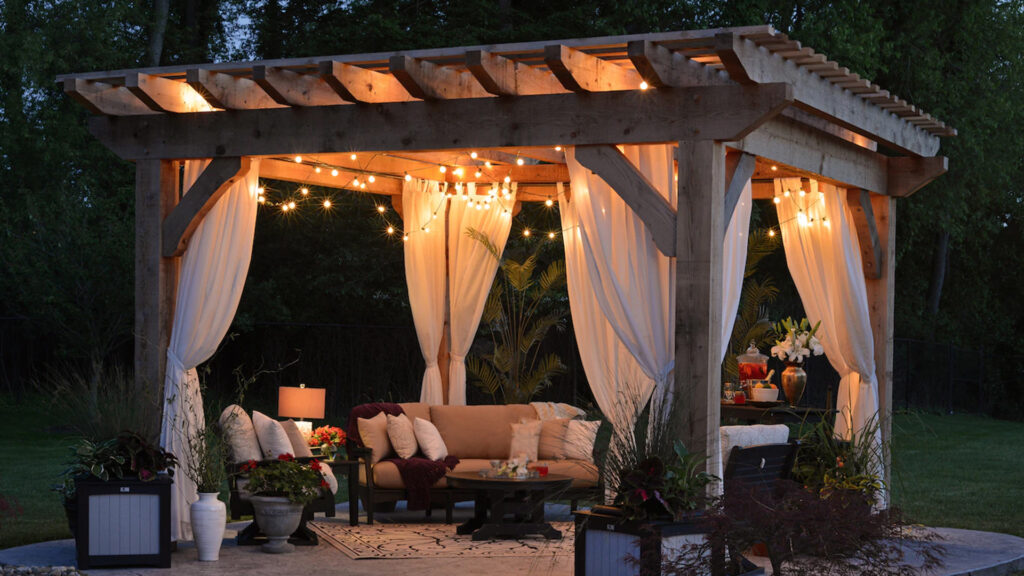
x: 210, y: 284
x: 734, y: 263
x: 631, y: 281
x: 472, y: 272
x: 823, y: 254
x: 423, y: 205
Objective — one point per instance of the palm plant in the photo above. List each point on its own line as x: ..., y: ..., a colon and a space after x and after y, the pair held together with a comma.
x: 514, y: 371
x: 752, y: 323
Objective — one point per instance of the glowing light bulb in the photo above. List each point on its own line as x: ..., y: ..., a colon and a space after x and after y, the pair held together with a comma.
x: 305, y: 191
x: 472, y: 155
x: 506, y: 212
x: 771, y: 233
x: 291, y: 205
x: 371, y: 179
x: 443, y: 169
x: 327, y: 203
x: 298, y: 159
x: 381, y: 209
x: 526, y: 232
x: 802, y: 193
x: 391, y: 230
x: 802, y: 218
x: 644, y: 85
x: 777, y: 200
x: 487, y: 163
x: 551, y: 235
x: 479, y: 206
x: 426, y: 229
x: 405, y: 237
x: 458, y: 171
x: 549, y: 202
x: 478, y: 174
x: 558, y: 148
x: 824, y: 220
x: 362, y: 185
x: 519, y: 162
x: 334, y: 172
x: 504, y: 192
x: 261, y: 190
x: 284, y: 207
x: 407, y: 177
x: 317, y: 170
x: 261, y: 199
x: 775, y: 168
x: 352, y: 157
x: 786, y: 193
x: 508, y: 179
x: 355, y: 181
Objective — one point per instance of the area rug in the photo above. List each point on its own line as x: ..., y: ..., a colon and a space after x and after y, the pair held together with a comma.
x: 433, y: 541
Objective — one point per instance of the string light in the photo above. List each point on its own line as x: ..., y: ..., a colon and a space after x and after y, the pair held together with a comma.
x: 802, y: 193
x: 526, y: 232
x: 298, y: 159
x: 802, y: 218
x: 371, y: 179
x: 327, y: 204
x: 478, y: 174
x: 824, y: 220
x: 549, y: 202
x: 408, y: 178
x: 391, y: 230
x: 352, y: 157
x: 458, y: 171
x: 284, y: 207
x: 775, y: 168
x: 355, y: 181
x: 261, y: 199
x: 304, y: 190
x: 519, y: 161
x: 551, y: 235
x: 405, y: 237
x: 777, y: 200
x: 317, y: 170
x: 362, y: 185
x: 786, y: 193
x: 291, y: 205
x: 771, y: 233
x: 443, y: 169
x: 487, y: 163
x: 381, y: 209
x: 508, y: 179
x: 644, y: 85
x: 472, y: 155
x: 334, y: 172
x: 426, y: 229
x: 558, y: 148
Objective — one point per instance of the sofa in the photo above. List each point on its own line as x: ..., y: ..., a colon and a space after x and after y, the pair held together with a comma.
x: 475, y: 435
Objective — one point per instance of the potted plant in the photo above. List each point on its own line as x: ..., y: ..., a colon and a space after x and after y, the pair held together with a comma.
x: 281, y: 489
x: 799, y: 343
x: 205, y: 464
x: 136, y: 473
x: 330, y: 440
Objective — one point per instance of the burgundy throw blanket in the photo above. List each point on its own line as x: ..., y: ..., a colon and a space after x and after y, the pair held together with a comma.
x: 418, y: 474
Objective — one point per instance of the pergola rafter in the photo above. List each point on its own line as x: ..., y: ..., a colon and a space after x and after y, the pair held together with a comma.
x: 737, y: 103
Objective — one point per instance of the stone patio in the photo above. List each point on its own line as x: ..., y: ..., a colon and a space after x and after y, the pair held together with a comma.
x: 969, y: 553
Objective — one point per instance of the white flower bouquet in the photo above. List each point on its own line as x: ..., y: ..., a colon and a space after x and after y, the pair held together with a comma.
x: 799, y: 341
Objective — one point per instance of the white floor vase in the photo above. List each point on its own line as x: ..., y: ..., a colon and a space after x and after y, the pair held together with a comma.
x: 209, y: 518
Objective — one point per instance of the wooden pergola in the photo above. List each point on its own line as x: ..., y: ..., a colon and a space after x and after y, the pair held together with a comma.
x: 738, y: 102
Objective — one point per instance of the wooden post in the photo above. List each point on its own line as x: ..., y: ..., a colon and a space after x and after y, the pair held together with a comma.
x: 880, y: 292
x: 156, y: 277
x: 700, y: 228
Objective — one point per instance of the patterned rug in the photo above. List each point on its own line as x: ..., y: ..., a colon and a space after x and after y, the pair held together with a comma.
x: 433, y: 541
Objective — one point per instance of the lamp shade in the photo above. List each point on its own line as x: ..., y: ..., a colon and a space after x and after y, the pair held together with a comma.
x: 295, y: 402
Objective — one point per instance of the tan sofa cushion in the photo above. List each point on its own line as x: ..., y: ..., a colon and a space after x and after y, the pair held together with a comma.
x: 479, y: 431
x: 416, y: 410
x: 552, y: 439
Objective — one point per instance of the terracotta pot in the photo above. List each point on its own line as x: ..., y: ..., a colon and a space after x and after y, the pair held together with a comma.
x: 277, y: 518
x: 209, y: 517
x: 794, y: 380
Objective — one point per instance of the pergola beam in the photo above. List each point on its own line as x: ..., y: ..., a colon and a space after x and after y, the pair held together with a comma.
x: 215, y: 180
x: 722, y: 113
x: 859, y: 202
x: 102, y: 98
x: 227, y: 91
x: 163, y: 95
x: 504, y: 77
x: 745, y: 60
x: 359, y: 85
x: 293, y: 89
x: 908, y: 175
x: 607, y: 162
x: 428, y: 81
x: 581, y: 72
x: 661, y: 67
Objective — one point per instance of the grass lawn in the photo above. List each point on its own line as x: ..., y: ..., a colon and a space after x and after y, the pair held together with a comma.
x: 957, y: 471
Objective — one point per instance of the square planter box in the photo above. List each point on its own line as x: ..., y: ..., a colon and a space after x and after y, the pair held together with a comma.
x: 123, y: 523
x: 605, y: 541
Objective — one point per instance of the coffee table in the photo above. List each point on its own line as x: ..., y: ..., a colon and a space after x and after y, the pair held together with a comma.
x: 508, y: 507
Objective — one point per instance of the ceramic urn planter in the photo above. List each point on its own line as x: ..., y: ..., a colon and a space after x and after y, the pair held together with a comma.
x: 209, y: 518
x: 277, y: 518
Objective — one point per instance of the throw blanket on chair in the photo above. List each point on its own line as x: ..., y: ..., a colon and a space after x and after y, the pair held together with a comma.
x: 419, y: 475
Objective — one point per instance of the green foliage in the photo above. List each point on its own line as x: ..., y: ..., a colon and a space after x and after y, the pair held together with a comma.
x: 653, y: 490
x: 825, y: 465
x: 513, y: 371
x: 299, y: 482
x: 127, y: 455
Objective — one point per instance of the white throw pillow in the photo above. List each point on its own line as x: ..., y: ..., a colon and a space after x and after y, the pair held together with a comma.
x: 374, y: 433
x: 328, y: 474
x: 300, y: 447
x: 273, y: 439
x: 402, y: 436
x: 525, y: 440
x: 580, y: 438
x: 239, y: 434
x: 430, y: 440
x: 552, y: 439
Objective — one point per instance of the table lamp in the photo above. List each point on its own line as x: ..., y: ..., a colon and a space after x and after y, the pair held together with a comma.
x: 301, y: 402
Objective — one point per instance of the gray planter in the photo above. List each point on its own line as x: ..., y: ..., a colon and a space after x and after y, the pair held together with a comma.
x: 277, y: 518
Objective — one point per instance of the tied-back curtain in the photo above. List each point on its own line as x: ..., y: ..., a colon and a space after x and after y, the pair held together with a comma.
x: 823, y: 254
x: 423, y: 204
x: 734, y: 263
x: 619, y: 385
x: 632, y: 282
x: 472, y: 272
x: 210, y: 285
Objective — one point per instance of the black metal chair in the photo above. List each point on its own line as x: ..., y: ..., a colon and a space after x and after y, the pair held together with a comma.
x: 760, y: 466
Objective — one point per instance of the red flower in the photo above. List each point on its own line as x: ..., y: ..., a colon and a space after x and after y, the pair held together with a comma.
x: 642, y: 493
x: 315, y: 465
x: 324, y: 484
x: 286, y: 457
x: 145, y: 474
x: 250, y: 465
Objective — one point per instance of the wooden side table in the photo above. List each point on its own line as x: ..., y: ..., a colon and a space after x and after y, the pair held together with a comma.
x: 350, y: 468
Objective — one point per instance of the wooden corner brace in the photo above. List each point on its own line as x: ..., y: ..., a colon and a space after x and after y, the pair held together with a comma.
x: 215, y: 180
x: 636, y: 191
x: 739, y: 167
x: 859, y: 202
